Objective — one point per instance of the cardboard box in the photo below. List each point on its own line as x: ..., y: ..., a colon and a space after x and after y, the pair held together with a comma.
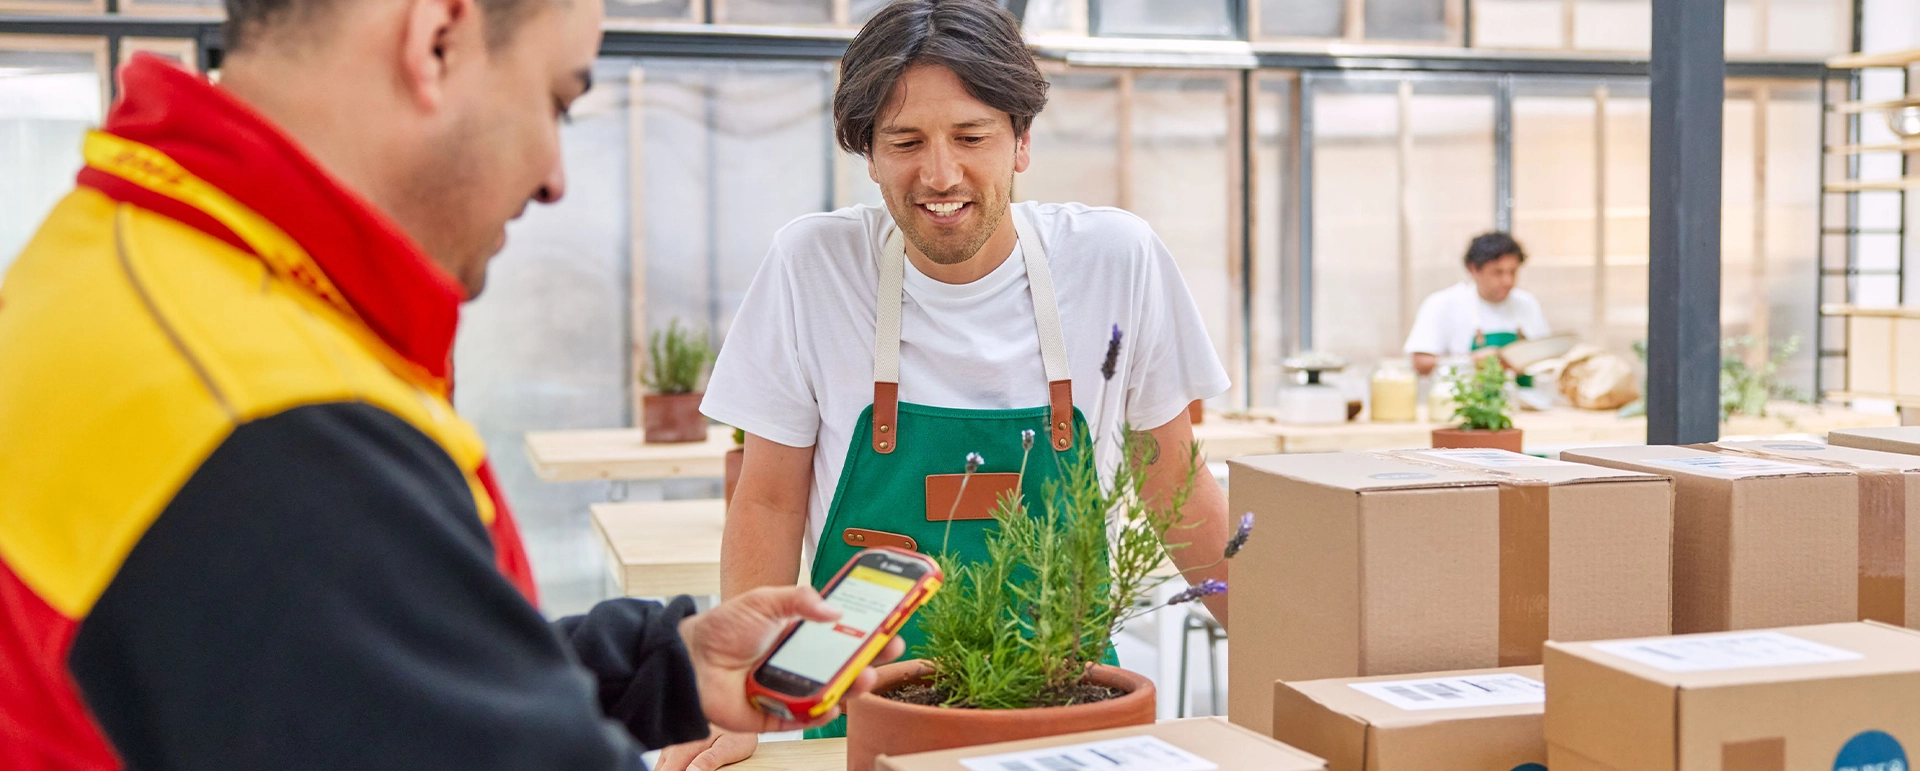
x: 1757, y: 543
x: 1366, y: 564
x: 1901, y: 439
x: 1228, y: 747
x: 1841, y: 696
x: 1889, y: 485
x: 1479, y: 720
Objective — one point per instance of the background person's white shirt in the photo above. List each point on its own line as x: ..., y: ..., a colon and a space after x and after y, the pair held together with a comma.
x: 1449, y: 318
x: 797, y: 365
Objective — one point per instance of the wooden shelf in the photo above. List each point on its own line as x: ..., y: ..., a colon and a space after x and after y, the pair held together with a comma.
x: 1898, y: 312
x: 1909, y: 146
x: 1849, y: 396
x: 1885, y: 59
x: 1873, y: 185
x: 1882, y: 106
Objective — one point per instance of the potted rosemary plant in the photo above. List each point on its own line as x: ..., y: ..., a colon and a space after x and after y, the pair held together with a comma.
x: 1481, y: 406
x: 676, y: 360
x: 1014, y: 643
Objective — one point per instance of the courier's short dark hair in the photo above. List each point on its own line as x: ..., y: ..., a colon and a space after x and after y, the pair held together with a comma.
x: 1488, y: 247
x: 246, y: 19
x: 976, y: 39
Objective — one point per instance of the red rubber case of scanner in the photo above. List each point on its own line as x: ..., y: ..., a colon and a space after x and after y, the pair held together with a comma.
x: 805, y: 708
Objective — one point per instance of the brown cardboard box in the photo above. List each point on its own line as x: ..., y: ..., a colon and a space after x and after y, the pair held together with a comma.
x: 1756, y: 543
x: 1901, y: 439
x: 1841, y: 696
x: 1889, y: 485
x: 1227, y: 746
x: 1368, y: 564
x: 1479, y: 720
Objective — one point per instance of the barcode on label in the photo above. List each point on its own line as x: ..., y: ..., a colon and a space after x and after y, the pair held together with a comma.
x: 1455, y: 692
x: 1132, y: 753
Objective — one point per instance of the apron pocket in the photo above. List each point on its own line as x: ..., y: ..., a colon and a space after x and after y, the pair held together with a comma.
x: 946, y: 500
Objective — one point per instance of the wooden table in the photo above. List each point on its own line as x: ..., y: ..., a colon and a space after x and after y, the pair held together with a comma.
x: 799, y: 755
x: 623, y: 453
x: 662, y: 548
x: 1560, y: 427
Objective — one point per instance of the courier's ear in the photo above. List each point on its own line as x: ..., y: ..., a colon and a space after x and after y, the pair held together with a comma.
x: 436, y: 37
x: 1023, y: 151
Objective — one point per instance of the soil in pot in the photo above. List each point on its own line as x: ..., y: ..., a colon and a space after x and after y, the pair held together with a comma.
x: 673, y: 418
x: 1081, y: 693
x: 878, y: 725
x: 1461, y: 439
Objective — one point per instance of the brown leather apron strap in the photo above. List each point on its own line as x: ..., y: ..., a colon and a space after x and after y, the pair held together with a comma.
x: 886, y: 417
x: 1524, y: 571
x: 1060, y: 397
x: 1882, y: 531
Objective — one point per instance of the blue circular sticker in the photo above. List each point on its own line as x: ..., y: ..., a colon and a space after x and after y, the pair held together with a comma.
x: 1871, y: 751
x: 1530, y: 767
x: 1402, y: 475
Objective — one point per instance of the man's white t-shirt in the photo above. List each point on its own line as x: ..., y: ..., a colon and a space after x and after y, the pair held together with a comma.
x: 797, y: 365
x: 1449, y: 319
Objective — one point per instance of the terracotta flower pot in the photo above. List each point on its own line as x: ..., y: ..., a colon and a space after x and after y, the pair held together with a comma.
x: 735, y: 457
x: 877, y: 725
x: 673, y: 418
x: 1461, y: 439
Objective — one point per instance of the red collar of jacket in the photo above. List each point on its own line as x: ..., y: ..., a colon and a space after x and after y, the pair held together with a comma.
x: 408, y: 300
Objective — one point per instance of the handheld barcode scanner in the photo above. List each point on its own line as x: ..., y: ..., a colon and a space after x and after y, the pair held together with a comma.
x: 814, y: 663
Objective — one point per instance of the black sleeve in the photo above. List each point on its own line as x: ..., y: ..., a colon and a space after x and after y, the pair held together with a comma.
x: 634, y: 651
x: 320, y: 594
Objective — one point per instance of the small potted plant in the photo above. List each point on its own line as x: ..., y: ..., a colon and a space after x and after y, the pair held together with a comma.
x: 1014, y: 643
x: 735, y: 457
x: 676, y: 360
x: 1480, y: 404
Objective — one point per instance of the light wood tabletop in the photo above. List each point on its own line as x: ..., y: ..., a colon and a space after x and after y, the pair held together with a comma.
x: 662, y: 548
x: 798, y: 755
x: 624, y: 454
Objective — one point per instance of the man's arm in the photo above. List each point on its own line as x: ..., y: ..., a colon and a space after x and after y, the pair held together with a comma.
x: 1206, y: 511
x: 321, y: 594
x: 768, y: 519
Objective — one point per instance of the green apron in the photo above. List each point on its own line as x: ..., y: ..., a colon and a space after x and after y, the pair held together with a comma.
x: 1499, y: 340
x: 900, y: 451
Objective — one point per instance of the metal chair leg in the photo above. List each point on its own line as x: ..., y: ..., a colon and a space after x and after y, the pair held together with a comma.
x: 1186, y: 636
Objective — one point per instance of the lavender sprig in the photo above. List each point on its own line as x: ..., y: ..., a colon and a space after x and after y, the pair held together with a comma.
x: 1239, y: 539
x: 1113, y: 355
x: 1205, y: 588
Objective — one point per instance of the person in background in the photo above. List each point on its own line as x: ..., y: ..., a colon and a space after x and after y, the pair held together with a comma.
x: 241, y: 526
x: 1478, y: 316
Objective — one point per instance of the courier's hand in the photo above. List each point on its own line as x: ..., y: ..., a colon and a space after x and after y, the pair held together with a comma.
x: 727, y: 641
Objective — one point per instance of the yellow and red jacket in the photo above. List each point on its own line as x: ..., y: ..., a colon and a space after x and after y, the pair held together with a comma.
x: 240, y: 523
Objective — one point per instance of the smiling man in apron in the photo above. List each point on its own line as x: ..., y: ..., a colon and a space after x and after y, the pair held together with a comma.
x: 1482, y: 314
x: 878, y: 347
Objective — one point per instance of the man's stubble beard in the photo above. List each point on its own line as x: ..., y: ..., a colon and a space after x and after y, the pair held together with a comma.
x: 991, y: 212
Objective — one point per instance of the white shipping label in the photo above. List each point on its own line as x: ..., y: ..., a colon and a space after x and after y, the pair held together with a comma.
x: 1456, y: 692
x: 1494, y: 458
x: 1733, y: 650
x: 1738, y: 466
x: 1131, y: 753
